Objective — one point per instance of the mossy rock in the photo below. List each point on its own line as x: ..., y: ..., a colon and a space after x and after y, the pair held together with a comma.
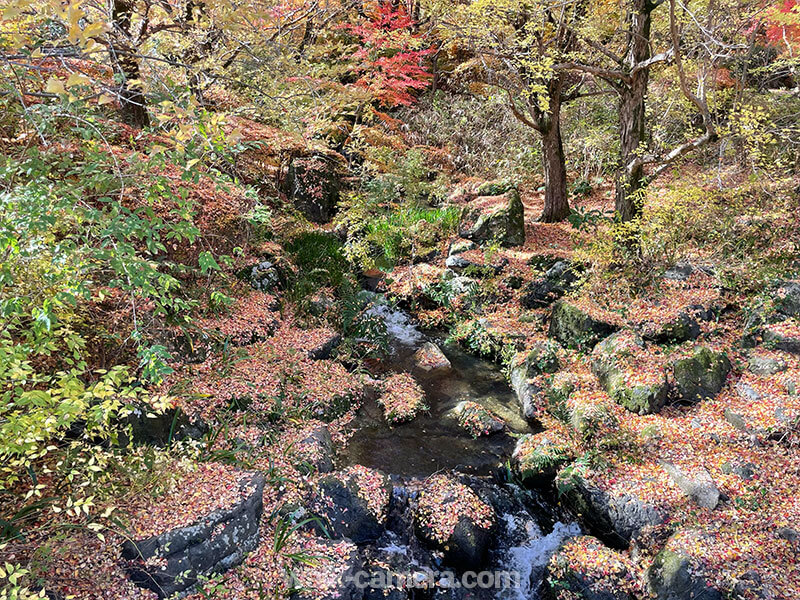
x: 672, y: 577
x: 576, y: 329
x: 538, y: 457
x: 494, y: 188
x: 702, y: 375
x: 505, y: 224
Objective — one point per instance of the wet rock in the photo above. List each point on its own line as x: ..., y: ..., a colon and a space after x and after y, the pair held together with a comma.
x: 152, y: 428
x: 612, y: 364
x: 699, y: 486
x: 672, y: 576
x: 587, y: 570
x: 701, y: 376
x: 505, y: 224
x: 476, y: 420
x: 576, y: 329
x: 315, y: 183
x: 765, y: 365
x: 315, y: 452
x: 617, y: 520
x: 538, y: 457
x: 352, y: 504
x: 559, y: 279
x: 430, y: 358
x: 172, y: 562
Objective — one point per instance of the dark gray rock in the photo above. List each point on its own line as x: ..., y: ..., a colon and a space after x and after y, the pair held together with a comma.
x: 343, y: 509
x: 778, y: 339
x: 684, y: 326
x: 743, y: 470
x: 542, y: 358
x: 560, y: 278
x: 172, y: 562
x: 701, y: 376
x: 617, y: 520
x: 672, y: 576
x: 576, y: 329
x: 505, y: 224
x: 265, y: 276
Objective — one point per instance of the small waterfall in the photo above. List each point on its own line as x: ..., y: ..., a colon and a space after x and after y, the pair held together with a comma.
x: 398, y: 324
x: 531, y: 552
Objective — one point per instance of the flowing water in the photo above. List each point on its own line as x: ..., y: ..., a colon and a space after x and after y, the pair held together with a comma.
x: 435, y: 442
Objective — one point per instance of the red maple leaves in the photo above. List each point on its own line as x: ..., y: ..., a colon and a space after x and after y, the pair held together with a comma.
x: 389, y: 60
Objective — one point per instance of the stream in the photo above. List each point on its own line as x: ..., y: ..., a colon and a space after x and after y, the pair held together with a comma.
x: 530, y: 528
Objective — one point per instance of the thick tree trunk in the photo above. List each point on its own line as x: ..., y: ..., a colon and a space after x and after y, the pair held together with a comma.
x: 556, y: 204
x: 633, y: 93
x: 131, y: 93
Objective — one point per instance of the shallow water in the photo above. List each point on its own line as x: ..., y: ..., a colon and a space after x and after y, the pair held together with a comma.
x: 434, y: 441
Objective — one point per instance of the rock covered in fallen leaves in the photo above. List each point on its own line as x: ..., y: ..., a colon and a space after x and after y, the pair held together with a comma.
x: 314, y: 184
x: 681, y: 327
x: 315, y: 451
x: 352, y: 504
x: 575, y: 328
x: 702, y: 375
x: 629, y: 376
x: 329, y: 573
x: 787, y: 298
x: 449, y: 516
x: 429, y: 357
x: 171, y: 561
x: 584, y: 569
x: 697, y: 484
x: 402, y: 399
x: 503, y: 221
x: 784, y: 335
x: 538, y: 457
x: 477, y: 420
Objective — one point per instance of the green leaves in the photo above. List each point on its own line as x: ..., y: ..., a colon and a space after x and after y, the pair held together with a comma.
x: 207, y: 262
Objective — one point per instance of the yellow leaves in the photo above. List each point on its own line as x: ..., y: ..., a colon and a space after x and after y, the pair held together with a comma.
x: 55, y: 86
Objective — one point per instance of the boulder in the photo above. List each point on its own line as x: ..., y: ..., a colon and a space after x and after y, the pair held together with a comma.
x: 451, y: 518
x: 760, y: 364
x: 352, y: 504
x: 575, y: 328
x: 673, y: 576
x: 430, y: 358
x: 457, y: 262
x: 476, y: 420
x: 542, y: 358
x: 587, y: 570
x: 615, y: 519
x: 613, y: 364
x: 460, y: 246
x: 265, y: 276
x: 787, y: 299
x: 784, y: 335
x: 560, y: 278
x: 173, y: 561
x: 699, y: 485
x: 505, y: 224
x: 315, y: 452
x: 684, y: 326
x: 538, y: 457
x: 333, y: 573
x: 315, y: 183
x: 702, y: 375
x: 494, y: 188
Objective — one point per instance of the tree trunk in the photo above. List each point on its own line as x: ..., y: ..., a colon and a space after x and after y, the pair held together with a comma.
x: 556, y: 204
x: 632, y: 96
x: 131, y: 93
